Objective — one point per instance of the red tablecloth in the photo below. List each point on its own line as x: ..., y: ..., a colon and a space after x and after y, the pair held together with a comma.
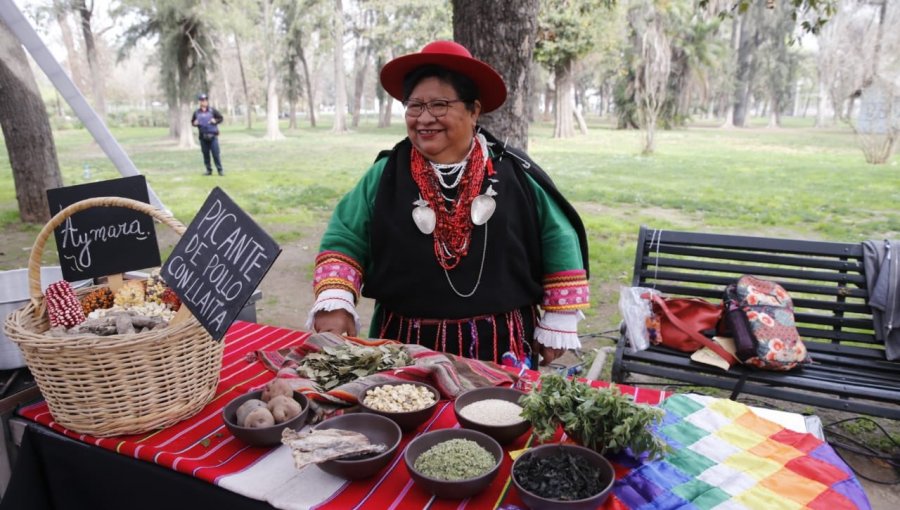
x: 202, y: 447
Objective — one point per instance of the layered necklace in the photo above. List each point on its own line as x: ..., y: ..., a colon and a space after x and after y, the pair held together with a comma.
x: 451, y: 219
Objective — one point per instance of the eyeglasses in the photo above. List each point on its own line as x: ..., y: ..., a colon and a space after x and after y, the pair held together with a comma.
x: 437, y: 108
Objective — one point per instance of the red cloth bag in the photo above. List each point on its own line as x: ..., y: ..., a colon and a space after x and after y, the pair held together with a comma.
x: 682, y: 322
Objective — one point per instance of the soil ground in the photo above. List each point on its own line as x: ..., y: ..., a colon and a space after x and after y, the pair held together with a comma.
x: 287, y: 298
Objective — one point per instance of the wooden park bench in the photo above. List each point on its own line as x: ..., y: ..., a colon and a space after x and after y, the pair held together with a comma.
x: 826, y: 280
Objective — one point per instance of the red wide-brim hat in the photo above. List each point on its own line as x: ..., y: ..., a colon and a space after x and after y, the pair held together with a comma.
x: 453, y: 56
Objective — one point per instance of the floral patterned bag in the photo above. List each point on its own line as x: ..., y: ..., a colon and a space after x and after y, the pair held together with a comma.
x: 760, y: 317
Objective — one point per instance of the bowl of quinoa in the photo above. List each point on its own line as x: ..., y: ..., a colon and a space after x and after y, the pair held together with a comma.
x: 409, y: 404
x: 494, y: 411
x: 453, y: 463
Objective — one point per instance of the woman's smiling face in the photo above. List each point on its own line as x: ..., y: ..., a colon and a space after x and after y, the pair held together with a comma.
x: 444, y: 139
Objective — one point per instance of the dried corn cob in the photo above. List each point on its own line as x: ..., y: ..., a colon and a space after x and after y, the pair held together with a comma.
x: 171, y: 299
x: 97, y: 298
x: 63, y: 307
x: 155, y: 287
x: 130, y: 294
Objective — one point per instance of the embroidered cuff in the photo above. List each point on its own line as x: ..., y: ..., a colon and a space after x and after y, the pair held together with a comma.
x: 334, y: 270
x: 333, y: 299
x: 559, y: 329
x: 566, y: 290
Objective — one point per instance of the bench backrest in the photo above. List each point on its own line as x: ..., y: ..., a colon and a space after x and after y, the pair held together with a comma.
x: 826, y: 281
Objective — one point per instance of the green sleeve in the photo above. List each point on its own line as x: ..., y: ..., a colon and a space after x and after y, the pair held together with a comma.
x: 348, y: 229
x: 559, y: 241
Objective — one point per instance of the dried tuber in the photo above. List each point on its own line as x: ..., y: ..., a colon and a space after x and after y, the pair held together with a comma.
x: 277, y: 387
x: 245, y: 408
x: 259, y: 418
x: 283, y: 408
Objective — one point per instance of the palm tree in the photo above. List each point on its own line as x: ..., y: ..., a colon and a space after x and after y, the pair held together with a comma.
x: 185, y: 52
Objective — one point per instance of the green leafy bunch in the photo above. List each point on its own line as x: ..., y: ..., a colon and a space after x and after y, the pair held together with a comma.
x: 604, y: 419
x: 334, y: 366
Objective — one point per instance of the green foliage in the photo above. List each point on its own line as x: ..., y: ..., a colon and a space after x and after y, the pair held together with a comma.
x: 814, y: 14
x: 604, y: 419
x: 567, y: 30
x: 183, y: 34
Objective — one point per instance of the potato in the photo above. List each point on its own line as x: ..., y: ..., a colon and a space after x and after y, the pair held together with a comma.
x: 259, y: 418
x: 245, y: 409
x: 277, y: 387
x: 283, y: 408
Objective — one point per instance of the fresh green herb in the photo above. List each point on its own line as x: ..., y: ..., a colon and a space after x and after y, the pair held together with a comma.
x: 455, y: 459
x: 604, y: 420
x: 561, y: 476
x: 334, y: 366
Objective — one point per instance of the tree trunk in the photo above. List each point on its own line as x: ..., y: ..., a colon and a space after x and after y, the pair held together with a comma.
x: 563, y: 125
x: 72, y: 55
x: 186, y: 130
x: 97, y: 82
x: 292, y: 113
x: 359, y: 82
x: 504, y: 38
x: 340, y: 90
x: 795, y: 111
x: 579, y: 118
x: 310, y: 95
x: 820, y: 102
x: 26, y: 131
x: 549, y: 101
x: 749, y: 42
x: 273, y: 132
x: 247, y: 106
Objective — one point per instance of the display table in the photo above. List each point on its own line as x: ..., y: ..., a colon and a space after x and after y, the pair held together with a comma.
x: 724, y: 456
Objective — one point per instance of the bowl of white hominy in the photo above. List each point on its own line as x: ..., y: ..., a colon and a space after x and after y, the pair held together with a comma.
x: 409, y: 404
x: 494, y: 411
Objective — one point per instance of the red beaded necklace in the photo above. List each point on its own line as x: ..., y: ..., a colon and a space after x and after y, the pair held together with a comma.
x: 453, y: 227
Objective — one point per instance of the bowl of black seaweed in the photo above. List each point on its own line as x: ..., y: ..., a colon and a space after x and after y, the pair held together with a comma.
x: 563, y: 477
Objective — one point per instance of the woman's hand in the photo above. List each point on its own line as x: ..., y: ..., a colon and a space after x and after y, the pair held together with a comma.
x: 339, y: 322
x: 549, y: 354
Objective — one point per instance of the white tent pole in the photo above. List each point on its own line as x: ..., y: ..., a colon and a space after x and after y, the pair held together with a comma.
x: 32, y: 42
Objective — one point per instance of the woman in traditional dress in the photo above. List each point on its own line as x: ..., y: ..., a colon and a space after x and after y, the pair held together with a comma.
x: 458, y: 238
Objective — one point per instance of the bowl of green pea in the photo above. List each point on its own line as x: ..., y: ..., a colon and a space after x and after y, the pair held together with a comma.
x: 453, y: 463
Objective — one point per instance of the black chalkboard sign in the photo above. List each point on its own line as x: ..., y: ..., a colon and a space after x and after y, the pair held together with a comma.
x: 219, y: 261
x: 102, y: 241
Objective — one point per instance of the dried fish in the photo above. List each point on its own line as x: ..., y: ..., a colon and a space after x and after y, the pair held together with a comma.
x: 327, y: 444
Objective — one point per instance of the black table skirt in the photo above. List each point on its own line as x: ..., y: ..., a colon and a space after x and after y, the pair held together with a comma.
x: 53, y: 472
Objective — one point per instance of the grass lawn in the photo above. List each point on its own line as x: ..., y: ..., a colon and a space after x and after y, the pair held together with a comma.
x: 793, y: 182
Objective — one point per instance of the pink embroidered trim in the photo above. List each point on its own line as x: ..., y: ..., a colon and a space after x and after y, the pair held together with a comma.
x: 335, y: 270
x: 566, y: 290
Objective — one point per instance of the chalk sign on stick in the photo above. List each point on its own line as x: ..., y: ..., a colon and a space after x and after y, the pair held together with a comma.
x: 101, y: 241
x: 218, y: 263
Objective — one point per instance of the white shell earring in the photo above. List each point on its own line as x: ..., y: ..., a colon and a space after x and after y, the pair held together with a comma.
x: 423, y: 216
x: 483, y: 206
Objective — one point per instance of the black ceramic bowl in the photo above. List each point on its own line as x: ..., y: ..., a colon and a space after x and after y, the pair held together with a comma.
x: 407, y: 420
x: 267, y: 436
x: 504, y: 434
x: 378, y: 429
x: 535, y: 502
x: 455, y: 489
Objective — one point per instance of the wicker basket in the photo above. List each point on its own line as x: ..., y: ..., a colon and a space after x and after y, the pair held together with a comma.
x: 120, y: 384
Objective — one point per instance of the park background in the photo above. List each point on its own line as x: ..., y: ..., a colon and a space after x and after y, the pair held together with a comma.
x: 764, y: 117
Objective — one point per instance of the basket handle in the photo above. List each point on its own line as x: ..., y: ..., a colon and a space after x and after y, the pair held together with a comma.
x: 37, y: 251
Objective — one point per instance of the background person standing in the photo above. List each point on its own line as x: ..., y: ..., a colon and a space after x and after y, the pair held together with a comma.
x: 207, y: 121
